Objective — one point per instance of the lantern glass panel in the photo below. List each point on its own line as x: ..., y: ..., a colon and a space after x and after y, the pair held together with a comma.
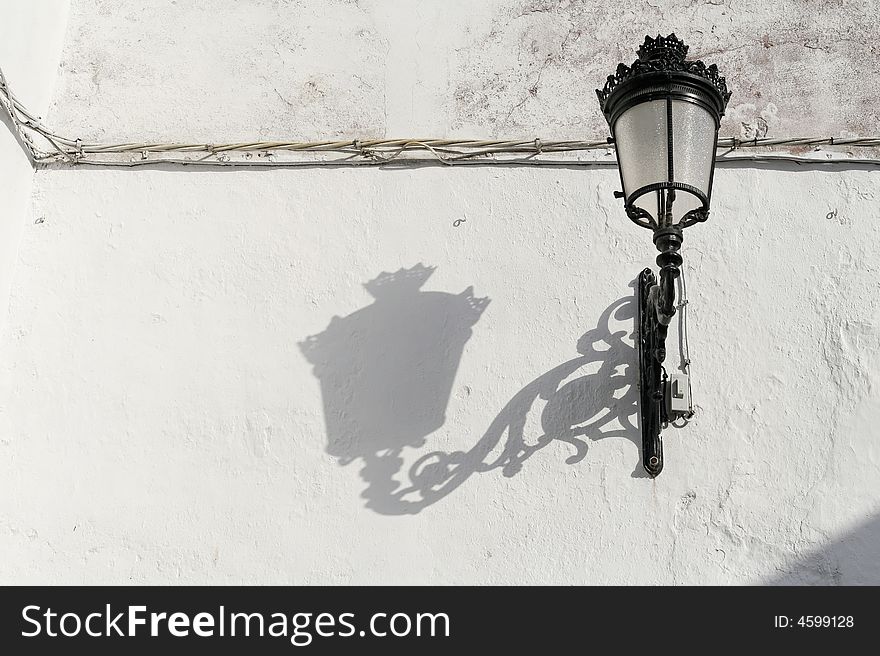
x: 693, y: 138
x: 641, y: 137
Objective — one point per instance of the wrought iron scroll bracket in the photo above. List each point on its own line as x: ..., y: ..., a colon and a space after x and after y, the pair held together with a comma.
x: 656, y: 305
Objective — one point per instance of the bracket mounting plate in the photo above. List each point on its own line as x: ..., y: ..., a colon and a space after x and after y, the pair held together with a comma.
x: 652, y: 352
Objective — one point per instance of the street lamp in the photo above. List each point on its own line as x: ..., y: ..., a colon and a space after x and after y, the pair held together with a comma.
x: 664, y: 113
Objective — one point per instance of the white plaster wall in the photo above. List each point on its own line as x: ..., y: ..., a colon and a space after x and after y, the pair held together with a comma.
x: 31, y: 36
x: 180, y: 405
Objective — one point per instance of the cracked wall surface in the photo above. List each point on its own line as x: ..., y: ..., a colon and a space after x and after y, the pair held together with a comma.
x: 427, y: 375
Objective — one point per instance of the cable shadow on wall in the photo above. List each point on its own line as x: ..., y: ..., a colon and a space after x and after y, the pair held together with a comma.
x: 386, y: 373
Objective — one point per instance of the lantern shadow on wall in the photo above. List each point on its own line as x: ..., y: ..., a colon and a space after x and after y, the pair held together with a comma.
x: 386, y: 373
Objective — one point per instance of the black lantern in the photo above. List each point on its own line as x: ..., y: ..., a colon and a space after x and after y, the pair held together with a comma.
x: 664, y: 112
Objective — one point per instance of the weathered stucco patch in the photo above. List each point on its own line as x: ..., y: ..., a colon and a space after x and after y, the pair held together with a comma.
x: 796, y: 68
x: 369, y: 68
x: 174, y: 70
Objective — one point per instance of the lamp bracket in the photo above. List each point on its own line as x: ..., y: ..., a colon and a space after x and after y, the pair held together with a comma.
x: 656, y: 307
x: 652, y: 352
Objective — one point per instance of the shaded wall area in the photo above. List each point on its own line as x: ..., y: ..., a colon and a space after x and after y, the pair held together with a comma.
x: 851, y: 558
x: 31, y: 39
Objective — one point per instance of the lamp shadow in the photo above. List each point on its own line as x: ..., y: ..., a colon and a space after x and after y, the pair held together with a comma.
x: 386, y: 370
x: 386, y: 373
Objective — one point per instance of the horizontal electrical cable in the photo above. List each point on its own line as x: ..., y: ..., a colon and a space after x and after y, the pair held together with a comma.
x: 45, y: 147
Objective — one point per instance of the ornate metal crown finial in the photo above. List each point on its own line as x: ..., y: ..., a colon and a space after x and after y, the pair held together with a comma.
x: 663, y: 54
x: 670, y: 47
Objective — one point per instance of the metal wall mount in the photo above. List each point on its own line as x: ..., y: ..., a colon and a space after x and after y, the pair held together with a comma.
x: 651, y: 337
